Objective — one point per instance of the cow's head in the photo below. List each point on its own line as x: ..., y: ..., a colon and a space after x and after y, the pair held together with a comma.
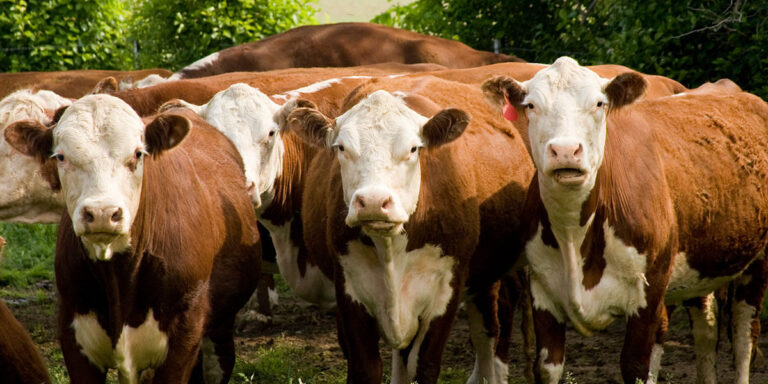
x: 378, y: 142
x: 245, y: 115
x: 25, y: 193
x: 566, y: 106
x: 99, y: 145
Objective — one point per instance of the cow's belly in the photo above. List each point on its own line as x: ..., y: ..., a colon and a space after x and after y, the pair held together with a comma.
x: 136, y: 350
x: 619, y: 292
x: 686, y: 282
x: 403, y: 290
x: 312, y: 285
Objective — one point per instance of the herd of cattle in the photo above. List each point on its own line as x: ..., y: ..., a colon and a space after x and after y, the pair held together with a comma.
x: 397, y: 176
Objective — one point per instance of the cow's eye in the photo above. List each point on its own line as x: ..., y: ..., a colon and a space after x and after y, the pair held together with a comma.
x: 414, y: 149
x: 59, y: 157
x: 139, y: 154
x: 529, y: 106
x: 600, y: 104
x: 271, y: 133
x: 340, y: 147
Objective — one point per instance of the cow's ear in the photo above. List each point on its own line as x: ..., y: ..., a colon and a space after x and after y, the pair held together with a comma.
x: 444, y: 127
x: 502, y: 89
x: 178, y: 103
x: 165, y: 132
x: 106, y: 85
x: 31, y: 138
x: 624, y: 89
x: 311, y: 126
x: 281, y: 116
x: 57, y: 115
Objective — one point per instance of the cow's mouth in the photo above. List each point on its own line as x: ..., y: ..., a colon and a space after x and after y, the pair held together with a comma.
x: 381, y: 227
x: 101, y: 237
x: 569, y: 176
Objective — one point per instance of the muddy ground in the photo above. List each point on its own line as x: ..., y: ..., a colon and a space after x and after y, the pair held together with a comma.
x: 588, y: 360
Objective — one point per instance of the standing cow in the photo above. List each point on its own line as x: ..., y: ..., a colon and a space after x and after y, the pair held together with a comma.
x: 158, y: 242
x: 413, y: 217
x: 635, y: 205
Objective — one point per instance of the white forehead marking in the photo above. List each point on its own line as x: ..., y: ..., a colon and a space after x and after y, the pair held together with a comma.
x: 240, y: 100
x: 563, y: 76
x: 315, y: 87
x: 97, y: 119
x: 383, y: 111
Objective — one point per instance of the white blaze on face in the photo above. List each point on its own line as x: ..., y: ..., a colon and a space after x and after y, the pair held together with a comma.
x: 566, y: 108
x: 245, y: 115
x: 24, y: 195
x: 99, y: 145
x: 377, y: 143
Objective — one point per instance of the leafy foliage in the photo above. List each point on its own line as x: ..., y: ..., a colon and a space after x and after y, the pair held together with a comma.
x: 62, y: 34
x: 692, y: 41
x: 174, y: 33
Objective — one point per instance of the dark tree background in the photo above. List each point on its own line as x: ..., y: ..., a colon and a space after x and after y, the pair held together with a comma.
x: 692, y: 41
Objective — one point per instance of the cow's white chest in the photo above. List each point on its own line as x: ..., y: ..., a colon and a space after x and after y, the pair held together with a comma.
x: 313, y: 286
x: 403, y: 290
x: 137, y: 349
x: 559, y: 289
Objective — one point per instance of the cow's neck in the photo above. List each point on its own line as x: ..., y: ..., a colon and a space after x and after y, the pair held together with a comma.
x: 570, y: 217
x: 285, y: 195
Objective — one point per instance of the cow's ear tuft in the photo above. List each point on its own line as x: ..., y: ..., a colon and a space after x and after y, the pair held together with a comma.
x: 624, y: 89
x: 31, y: 138
x: 311, y: 126
x: 281, y: 116
x: 106, y: 85
x: 165, y: 132
x: 502, y: 89
x: 444, y: 127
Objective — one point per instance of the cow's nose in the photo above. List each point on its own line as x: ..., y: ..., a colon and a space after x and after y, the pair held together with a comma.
x: 373, y: 204
x: 565, y: 152
x: 102, y: 219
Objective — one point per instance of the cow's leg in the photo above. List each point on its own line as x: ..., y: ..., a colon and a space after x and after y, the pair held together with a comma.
x: 550, y: 344
x: 642, y: 340
x: 79, y: 367
x: 428, y: 356
x: 703, y: 314
x: 183, y: 344
x: 519, y: 290
x: 359, y: 339
x: 484, y: 331
x: 747, y: 302
x: 658, y: 349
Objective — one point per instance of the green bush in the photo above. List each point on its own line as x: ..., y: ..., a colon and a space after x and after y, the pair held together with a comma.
x: 174, y: 33
x: 37, y: 35
x: 692, y: 41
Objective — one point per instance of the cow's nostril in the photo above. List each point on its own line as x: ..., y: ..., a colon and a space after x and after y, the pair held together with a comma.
x: 118, y: 215
x: 359, y: 203
x: 88, y: 216
x: 387, y: 204
x: 578, y: 151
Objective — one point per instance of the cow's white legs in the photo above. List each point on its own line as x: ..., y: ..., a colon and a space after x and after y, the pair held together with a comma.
x: 743, y: 313
x: 704, y: 322
x: 484, y: 345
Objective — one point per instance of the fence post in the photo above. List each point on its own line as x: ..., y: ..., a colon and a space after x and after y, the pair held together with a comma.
x: 135, y: 54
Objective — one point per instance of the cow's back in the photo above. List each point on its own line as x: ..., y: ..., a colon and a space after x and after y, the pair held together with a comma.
x: 341, y: 45
x: 72, y: 84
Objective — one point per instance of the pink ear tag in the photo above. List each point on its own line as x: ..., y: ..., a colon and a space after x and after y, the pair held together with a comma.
x: 510, y: 113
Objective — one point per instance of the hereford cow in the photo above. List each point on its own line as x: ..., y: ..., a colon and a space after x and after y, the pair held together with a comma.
x: 25, y: 195
x: 158, y: 241
x: 339, y: 45
x: 412, y: 216
x: 71, y: 84
x: 20, y: 363
x: 635, y: 205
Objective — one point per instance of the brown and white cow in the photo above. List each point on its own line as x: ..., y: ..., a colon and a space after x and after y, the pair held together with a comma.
x: 158, y: 242
x: 635, y: 205
x: 406, y: 215
x: 71, y: 84
x: 339, y: 45
x: 25, y: 194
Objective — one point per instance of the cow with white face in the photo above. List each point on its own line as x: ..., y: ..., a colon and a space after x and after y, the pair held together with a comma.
x: 25, y: 195
x: 158, y: 243
x: 406, y: 199
x: 622, y: 210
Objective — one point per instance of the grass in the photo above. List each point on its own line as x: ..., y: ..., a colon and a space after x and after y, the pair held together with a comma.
x: 28, y: 256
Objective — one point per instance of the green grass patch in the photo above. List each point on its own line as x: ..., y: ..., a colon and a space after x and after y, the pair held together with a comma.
x: 286, y: 363
x: 28, y: 256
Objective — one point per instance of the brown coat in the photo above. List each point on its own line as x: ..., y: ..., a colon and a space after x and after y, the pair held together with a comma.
x: 71, y: 84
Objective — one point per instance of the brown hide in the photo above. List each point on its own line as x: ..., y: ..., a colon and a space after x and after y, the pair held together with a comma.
x: 194, y: 238
x: 343, y: 45
x: 20, y: 363
x: 71, y: 84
